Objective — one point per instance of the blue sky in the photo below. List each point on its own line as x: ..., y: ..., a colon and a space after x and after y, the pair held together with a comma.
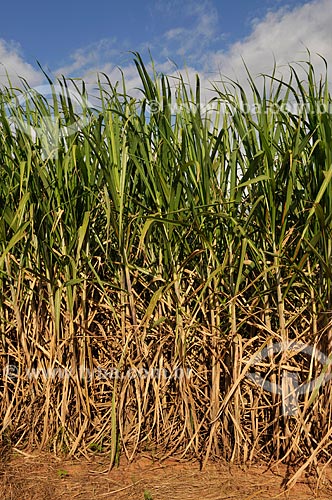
x: 79, y: 38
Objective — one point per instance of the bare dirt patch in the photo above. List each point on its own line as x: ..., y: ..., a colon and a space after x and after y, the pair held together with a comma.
x: 44, y: 477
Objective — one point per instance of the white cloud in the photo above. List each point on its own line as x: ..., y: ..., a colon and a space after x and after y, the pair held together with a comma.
x: 91, y: 58
x: 13, y: 64
x: 284, y: 35
x: 193, y: 41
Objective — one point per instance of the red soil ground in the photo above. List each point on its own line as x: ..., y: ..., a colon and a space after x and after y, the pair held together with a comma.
x: 44, y: 477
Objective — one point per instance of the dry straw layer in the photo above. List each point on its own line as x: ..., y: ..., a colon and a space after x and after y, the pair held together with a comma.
x: 148, y: 257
